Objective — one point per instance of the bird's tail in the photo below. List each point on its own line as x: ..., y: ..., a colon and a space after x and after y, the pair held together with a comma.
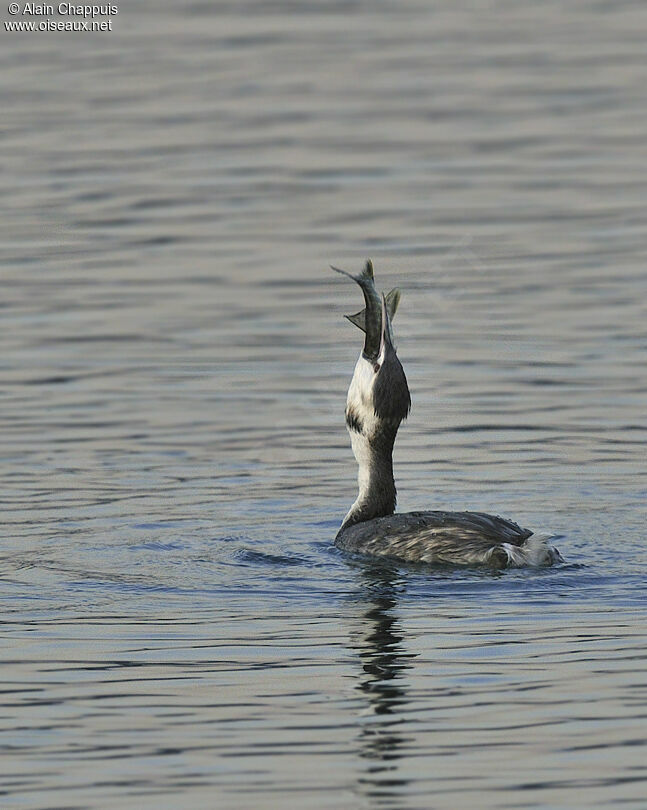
x: 536, y: 551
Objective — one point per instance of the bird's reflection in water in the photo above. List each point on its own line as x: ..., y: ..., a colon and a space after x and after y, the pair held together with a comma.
x: 379, y: 643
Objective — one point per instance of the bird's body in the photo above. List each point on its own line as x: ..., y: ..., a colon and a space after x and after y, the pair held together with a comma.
x: 448, y: 538
x: 378, y: 400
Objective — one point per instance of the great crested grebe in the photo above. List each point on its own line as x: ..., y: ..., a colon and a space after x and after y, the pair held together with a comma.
x: 378, y: 400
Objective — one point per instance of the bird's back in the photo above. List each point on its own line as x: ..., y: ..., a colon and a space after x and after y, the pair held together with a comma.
x: 454, y: 538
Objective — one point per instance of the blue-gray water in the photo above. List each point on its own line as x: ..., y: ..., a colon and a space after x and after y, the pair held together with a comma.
x: 177, y: 629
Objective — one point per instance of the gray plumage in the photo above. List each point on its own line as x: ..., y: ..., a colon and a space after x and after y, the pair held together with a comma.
x: 455, y: 538
x: 378, y: 400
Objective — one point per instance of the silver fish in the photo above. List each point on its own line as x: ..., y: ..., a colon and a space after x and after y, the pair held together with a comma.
x: 369, y: 320
x: 392, y: 301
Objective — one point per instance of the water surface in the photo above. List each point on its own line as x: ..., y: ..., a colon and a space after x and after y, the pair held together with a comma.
x: 177, y: 628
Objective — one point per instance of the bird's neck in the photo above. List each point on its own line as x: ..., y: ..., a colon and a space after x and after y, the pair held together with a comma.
x: 377, y: 493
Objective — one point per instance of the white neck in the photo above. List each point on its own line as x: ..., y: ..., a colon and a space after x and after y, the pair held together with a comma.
x: 372, y: 441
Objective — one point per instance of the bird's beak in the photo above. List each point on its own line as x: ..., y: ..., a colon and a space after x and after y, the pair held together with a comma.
x: 386, y: 333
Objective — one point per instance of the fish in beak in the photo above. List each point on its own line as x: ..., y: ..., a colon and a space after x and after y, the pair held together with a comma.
x: 392, y: 301
x: 369, y: 320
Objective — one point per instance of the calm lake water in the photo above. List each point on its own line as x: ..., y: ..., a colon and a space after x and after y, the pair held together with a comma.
x: 177, y: 627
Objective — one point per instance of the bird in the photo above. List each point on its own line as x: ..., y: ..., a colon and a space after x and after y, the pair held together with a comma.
x: 378, y: 400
